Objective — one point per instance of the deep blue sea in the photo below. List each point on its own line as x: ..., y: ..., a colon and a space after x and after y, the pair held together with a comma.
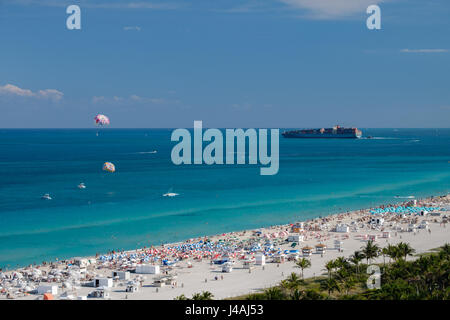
x: 126, y: 209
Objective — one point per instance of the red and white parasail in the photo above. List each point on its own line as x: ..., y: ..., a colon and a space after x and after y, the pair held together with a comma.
x: 101, y: 120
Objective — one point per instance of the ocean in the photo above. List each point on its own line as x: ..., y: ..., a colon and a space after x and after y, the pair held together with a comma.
x: 126, y: 209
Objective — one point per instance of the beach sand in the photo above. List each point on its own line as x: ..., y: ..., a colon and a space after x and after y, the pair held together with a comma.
x: 240, y: 281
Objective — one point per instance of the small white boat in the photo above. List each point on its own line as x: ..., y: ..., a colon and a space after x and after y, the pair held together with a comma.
x: 170, y: 194
x: 81, y: 186
x: 46, y: 197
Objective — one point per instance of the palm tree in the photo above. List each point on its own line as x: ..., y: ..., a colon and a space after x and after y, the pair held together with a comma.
x: 384, y: 252
x: 391, y: 252
x: 370, y: 251
x: 356, y: 259
x: 205, y: 295
x: 292, y: 281
x: 445, y: 250
x: 312, y: 294
x: 274, y: 293
x: 297, y: 295
x: 405, y: 249
x: 330, y: 285
x: 341, y: 262
x: 330, y: 265
x: 349, y: 282
x: 303, y: 263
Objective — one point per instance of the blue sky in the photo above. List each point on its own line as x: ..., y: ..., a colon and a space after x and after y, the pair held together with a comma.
x: 266, y: 63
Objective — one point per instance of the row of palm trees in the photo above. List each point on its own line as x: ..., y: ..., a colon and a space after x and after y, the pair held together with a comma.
x: 205, y: 295
x: 347, y: 271
x: 371, y: 251
x: 424, y: 278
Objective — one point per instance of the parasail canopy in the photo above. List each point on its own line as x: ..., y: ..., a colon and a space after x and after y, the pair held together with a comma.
x: 108, y: 166
x: 101, y: 120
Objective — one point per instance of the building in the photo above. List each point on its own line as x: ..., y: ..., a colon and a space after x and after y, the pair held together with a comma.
x: 293, y: 255
x: 307, y: 251
x: 81, y: 262
x: 161, y: 281
x: 279, y: 258
x: 321, y: 248
x: 298, y: 227
x: 100, y: 293
x: 260, y: 259
x: 339, y: 245
x: 424, y: 225
x: 121, y: 275
x: 227, y: 267
x: 147, y: 269
x: 295, y: 238
x: 52, y: 289
x: 247, y: 264
x: 377, y: 221
x: 103, y: 282
x: 132, y: 288
x: 342, y: 228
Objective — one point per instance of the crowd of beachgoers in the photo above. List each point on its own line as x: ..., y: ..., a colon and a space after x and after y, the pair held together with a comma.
x: 150, y: 272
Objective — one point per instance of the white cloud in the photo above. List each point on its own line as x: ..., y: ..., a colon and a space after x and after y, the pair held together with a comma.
x: 133, y: 98
x: 15, y: 90
x: 12, y: 90
x: 104, y: 4
x: 424, y: 50
x: 51, y: 94
x: 96, y: 99
x: 132, y: 28
x: 332, y: 9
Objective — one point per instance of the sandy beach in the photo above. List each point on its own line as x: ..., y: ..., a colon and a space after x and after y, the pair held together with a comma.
x: 188, y: 267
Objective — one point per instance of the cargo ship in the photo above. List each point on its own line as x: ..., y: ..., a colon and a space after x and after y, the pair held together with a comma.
x: 326, y: 133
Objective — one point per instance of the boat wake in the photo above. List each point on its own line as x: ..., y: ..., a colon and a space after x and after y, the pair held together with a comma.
x: 380, y: 138
x: 146, y: 152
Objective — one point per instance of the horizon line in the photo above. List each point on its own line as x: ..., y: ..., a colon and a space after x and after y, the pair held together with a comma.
x: 172, y: 128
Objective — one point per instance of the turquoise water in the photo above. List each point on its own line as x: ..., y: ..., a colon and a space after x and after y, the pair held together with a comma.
x: 126, y: 209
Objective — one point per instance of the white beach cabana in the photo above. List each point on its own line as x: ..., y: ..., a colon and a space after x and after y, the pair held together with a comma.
x: 321, y: 248
x: 295, y: 238
x: 342, y: 228
x: 227, y: 267
x: 147, y: 269
x: 307, y: 251
x: 53, y: 289
x: 121, y: 275
x: 260, y: 259
x: 103, y: 282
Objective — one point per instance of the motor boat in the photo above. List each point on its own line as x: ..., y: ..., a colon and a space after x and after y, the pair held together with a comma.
x: 170, y: 194
x: 46, y: 197
x: 81, y: 186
